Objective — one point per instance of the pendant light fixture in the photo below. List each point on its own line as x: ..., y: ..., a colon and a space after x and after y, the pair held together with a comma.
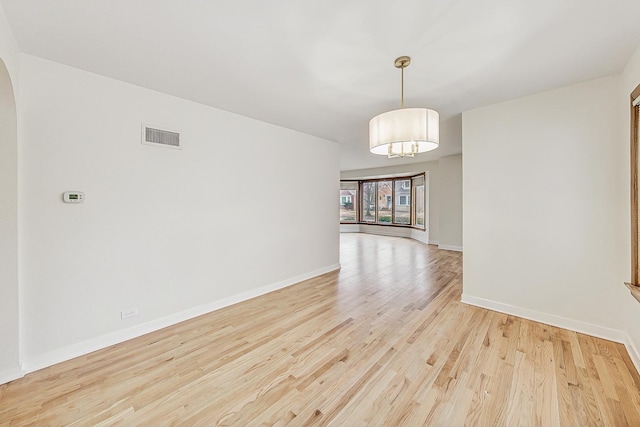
x: 404, y: 132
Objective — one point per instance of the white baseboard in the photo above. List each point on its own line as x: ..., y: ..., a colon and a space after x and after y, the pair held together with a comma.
x: 549, y: 319
x: 386, y: 231
x: 450, y: 248
x: 633, y: 352
x: 561, y: 322
x: 85, y: 347
x: 10, y: 374
x: 411, y: 233
x: 420, y: 235
x: 76, y: 350
x: 349, y: 228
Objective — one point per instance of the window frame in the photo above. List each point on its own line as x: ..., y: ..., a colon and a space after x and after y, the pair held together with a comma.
x: 414, y: 197
x: 387, y: 199
x: 635, y: 111
x: 373, y: 199
x: 634, y: 286
x: 360, y: 194
x: 351, y: 200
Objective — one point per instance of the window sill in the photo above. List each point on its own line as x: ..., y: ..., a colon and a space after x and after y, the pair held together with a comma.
x: 635, y: 291
x: 415, y: 227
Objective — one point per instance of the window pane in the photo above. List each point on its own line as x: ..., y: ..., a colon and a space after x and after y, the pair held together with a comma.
x: 392, y: 201
x: 402, y: 209
x: 369, y: 201
x: 418, y: 197
x: 348, y: 201
x: 385, y: 194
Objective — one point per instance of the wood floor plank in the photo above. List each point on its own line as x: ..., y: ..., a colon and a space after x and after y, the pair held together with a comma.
x: 383, y: 341
x: 546, y: 392
x: 631, y: 406
x: 561, y: 354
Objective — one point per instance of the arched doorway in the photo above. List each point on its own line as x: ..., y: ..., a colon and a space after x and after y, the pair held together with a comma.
x: 9, y: 321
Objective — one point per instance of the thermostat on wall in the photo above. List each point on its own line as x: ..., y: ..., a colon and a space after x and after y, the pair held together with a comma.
x: 73, y: 197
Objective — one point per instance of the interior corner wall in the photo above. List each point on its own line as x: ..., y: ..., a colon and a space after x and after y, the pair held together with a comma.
x: 9, y: 52
x: 546, y: 217
x: 433, y: 169
x: 450, y: 201
x: 167, y: 232
x: 9, y: 267
x: 627, y: 304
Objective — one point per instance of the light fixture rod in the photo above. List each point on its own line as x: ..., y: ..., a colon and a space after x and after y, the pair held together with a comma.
x: 402, y: 101
x: 402, y: 62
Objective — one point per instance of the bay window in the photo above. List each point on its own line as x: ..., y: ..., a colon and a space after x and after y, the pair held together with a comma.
x: 390, y: 201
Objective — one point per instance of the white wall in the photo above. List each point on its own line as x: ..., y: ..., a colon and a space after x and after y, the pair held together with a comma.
x: 630, y: 307
x: 9, y: 49
x: 173, y: 233
x: 546, y: 218
x: 450, y: 201
x: 9, y: 290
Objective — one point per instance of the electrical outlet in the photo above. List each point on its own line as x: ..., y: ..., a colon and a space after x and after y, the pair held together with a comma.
x: 129, y: 313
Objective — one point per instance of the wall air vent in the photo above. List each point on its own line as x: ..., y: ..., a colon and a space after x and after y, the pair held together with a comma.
x: 160, y: 137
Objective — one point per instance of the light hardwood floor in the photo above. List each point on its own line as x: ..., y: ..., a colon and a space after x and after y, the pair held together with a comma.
x: 384, y: 341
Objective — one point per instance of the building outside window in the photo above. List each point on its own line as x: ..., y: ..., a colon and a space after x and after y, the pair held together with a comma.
x: 348, y: 198
x: 390, y: 202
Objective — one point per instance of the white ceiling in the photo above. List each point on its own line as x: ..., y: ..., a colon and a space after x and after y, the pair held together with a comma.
x: 326, y: 67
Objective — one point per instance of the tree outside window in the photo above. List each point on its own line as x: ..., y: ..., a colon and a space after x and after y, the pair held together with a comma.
x: 395, y: 201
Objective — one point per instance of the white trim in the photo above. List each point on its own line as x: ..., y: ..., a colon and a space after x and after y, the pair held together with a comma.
x: 386, y: 231
x: 549, y: 319
x: 85, y: 347
x: 409, y: 232
x: 420, y: 235
x: 434, y: 242
x: 450, y: 248
x: 561, y: 322
x: 10, y: 375
x: 633, y: 352
x: 349, y: 228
